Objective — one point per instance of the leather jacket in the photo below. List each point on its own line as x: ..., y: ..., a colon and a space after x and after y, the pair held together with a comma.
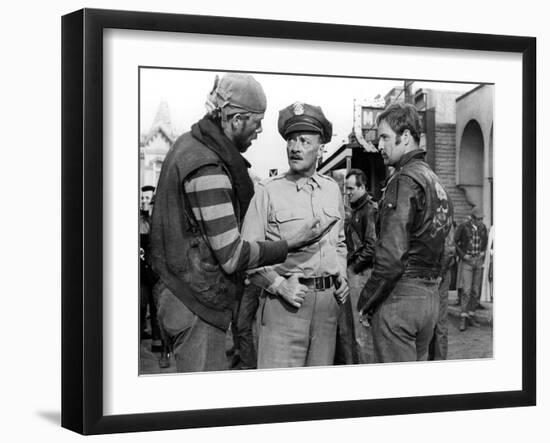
x: 361, y: 234
x: 449, y: 254
x: 415, y: 216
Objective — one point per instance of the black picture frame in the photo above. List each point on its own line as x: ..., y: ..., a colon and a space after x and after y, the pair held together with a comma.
x: 82, y: 218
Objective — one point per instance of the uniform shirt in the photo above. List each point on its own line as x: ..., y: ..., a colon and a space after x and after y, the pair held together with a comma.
x: 284, y: 204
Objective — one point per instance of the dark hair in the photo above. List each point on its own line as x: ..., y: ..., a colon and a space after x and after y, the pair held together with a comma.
x: 401, y: 116
x: 360, y: 177
x: 147, y: 188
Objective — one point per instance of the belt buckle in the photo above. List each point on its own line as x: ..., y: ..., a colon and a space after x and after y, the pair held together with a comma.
x: 322, y: 283
x: 319, y: 283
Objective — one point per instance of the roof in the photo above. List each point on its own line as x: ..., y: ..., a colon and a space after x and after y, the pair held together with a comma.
x: 162, y: 124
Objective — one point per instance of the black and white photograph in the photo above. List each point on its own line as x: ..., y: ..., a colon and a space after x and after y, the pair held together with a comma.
x: 290, y: 220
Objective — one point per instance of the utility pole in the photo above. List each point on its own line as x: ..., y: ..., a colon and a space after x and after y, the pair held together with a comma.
x: 407, y: 86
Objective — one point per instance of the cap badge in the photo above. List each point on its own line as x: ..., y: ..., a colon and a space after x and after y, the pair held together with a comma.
x: 298, y: 108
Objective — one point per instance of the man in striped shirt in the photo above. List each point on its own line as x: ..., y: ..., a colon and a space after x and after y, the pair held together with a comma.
x: 202, y: 195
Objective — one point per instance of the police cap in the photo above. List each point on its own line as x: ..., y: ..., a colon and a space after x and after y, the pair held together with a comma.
x: 304, y: 117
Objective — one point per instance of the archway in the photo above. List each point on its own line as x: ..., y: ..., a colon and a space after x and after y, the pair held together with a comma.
x: 471, y: 163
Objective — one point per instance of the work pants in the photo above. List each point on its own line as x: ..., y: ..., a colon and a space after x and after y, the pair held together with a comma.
x: 197, y: 345
x: 292, y: 337
x: 472, y: 274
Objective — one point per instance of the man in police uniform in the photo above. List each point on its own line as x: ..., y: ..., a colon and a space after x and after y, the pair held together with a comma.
x: 301, y: 303
x: 415, y: 217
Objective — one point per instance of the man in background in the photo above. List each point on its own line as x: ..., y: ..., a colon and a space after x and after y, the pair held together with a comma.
x: 471, y: 242
x: 360, y: 240
x: 147, y: 277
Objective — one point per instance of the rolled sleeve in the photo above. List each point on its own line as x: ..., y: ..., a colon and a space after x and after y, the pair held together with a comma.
x: 254, y: 230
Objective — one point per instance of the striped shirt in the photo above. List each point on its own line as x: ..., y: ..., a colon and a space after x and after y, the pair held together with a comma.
x: 209, y: 192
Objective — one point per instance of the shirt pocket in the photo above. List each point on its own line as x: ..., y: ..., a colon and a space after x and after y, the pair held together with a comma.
x: 289, y: 221
x: 330, y: 214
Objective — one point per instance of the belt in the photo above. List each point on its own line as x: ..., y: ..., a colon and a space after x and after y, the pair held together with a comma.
x: 425, y: 274
x: 318, y: 283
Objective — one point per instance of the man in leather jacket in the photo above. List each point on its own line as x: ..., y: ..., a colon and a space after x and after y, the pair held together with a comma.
x: 415, y: 216
x: 351, y: 345
x: 360, y: 230
x: 471, y: 242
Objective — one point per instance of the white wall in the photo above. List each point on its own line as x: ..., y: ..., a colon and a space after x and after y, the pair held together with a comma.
x: 30, y: 321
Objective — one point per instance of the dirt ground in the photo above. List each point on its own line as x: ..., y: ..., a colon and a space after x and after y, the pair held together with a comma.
x: 472, y: 343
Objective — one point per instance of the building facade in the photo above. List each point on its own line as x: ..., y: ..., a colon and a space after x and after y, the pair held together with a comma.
x: 153, y: 146
x: 457, y: 138
x: 474, y: 152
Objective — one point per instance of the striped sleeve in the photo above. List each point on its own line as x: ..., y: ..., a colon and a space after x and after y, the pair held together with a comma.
x: 209, y: 192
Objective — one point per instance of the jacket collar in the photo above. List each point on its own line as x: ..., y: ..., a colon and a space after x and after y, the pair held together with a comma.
x: 360, y: 202
x: 409, y: 156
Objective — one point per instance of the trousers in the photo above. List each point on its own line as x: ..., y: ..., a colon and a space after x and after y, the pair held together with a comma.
x: 472, y: 274
x: 244, y: 327
x: 440, y: 340
x: 358, y: 350
x: 197, y: 345
x: 147, y: 300
x: 293, y: 337
x: 404, y: 323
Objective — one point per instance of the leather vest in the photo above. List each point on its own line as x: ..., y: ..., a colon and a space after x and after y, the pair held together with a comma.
x: 181, y: 254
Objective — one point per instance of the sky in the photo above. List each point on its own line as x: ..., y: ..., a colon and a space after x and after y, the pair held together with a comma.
x: 185, y: 93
